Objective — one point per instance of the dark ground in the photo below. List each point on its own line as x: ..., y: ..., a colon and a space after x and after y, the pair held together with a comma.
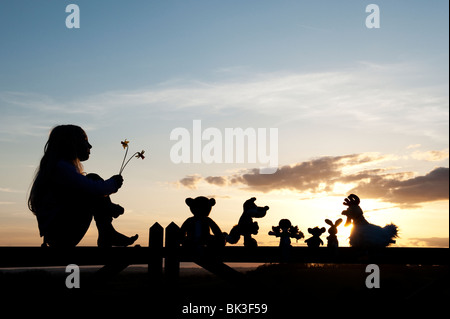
x: 288, y: 290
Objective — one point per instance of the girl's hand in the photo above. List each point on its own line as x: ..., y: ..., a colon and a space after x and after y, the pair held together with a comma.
x: 119, y: 180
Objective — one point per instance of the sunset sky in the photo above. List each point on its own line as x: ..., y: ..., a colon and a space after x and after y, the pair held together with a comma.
x: 358, y: 110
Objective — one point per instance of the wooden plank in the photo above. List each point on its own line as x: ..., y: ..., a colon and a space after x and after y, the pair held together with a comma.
x: 155, y: 258
x: 42, y: 257
x: 38, y: 256
x: 172, y: 252
x: 217, y: 267
x: 349, y: 255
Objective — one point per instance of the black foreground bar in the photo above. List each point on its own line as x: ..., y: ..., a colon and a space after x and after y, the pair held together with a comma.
x: 41, y: 257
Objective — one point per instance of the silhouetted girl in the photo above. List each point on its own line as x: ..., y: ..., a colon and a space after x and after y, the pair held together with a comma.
x: 64, y: 200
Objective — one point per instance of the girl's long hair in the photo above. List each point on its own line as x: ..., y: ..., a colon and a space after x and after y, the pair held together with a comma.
x: 61, y: 145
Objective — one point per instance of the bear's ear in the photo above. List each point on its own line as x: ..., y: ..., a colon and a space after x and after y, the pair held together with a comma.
x: 189, y: 201
x: 310, y: 230
x: 323, y: 229
x: 212, y: 202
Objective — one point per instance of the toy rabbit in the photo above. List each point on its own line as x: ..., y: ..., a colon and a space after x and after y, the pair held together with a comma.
x: 332, y: 238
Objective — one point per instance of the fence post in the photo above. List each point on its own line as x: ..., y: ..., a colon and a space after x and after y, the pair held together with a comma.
x: 155, y: 244
x: 172, y: 260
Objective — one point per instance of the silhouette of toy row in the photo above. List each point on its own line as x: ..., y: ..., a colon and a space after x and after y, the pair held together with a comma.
x: 286, y: 231
x: 196, y: 230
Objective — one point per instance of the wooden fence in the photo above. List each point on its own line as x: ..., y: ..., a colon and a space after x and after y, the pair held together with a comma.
x: 168, y: 249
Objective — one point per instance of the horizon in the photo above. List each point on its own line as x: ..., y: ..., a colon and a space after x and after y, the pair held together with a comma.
x: 356, y: 110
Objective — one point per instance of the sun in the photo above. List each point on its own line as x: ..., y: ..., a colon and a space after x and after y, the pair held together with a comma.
x: 331, y: 207
x: 344, y: 234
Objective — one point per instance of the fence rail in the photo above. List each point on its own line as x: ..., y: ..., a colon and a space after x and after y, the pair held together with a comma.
x: 43, y: 257
x: 118, y: 258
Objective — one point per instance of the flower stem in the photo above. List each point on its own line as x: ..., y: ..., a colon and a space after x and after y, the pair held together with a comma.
x: 121, y: 166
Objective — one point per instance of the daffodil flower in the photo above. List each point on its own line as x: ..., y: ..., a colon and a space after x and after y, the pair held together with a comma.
x: 137, y: 154
x: 124, y: 143
x: 140, y: 154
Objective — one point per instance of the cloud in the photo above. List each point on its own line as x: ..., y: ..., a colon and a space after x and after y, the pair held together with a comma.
x: 190, y: 181
x: 317, y: 175
x: 431, y: 156
x: 218, y: 180
x: 430, y: 187
x: 430, y: 242
x: 311, y: 176
x: 366, y: 96
x: 323, y: 174
x: 9, y: 190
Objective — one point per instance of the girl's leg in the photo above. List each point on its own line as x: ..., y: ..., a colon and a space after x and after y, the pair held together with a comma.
x: 104, y: 212
x: 68, y: 228
x: 108, y: 236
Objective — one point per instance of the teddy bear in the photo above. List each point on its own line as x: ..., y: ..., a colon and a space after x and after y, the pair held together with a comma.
x: 315, y: 241
x: 332, y: 241
x: 246, y: 226
x: 286, y: 231
x: 196, y: 230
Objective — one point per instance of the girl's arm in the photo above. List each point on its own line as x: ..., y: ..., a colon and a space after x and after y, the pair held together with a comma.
x: 68, y: 176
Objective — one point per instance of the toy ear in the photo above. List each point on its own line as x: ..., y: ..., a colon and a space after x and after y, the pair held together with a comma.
x: 323, y: 229
x: 212, y: 202
x: 310, y: 230
x: 189, y: 201
x: 338, y: 222
x: 329, y: 222
x: 253, y: 199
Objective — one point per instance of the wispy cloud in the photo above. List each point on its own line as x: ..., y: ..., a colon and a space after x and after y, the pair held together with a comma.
x: 365, y: 96
x: 431, y: 156
x: 430, y: 242
x: 9, y: 190
x: 190, y: 181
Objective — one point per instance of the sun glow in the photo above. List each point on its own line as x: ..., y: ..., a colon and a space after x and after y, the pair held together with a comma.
x: 344, y: 234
